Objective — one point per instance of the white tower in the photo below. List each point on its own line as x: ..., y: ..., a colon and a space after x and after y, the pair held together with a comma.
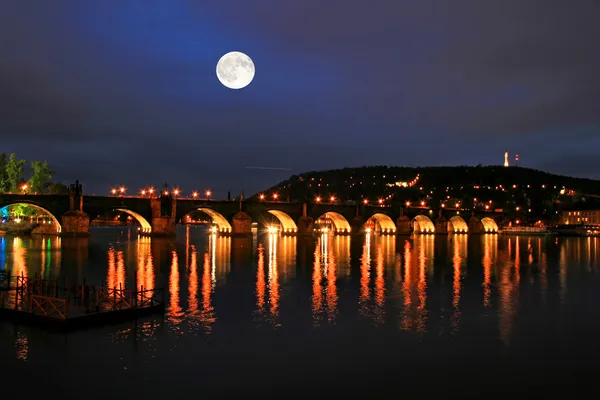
x: 506, y: 159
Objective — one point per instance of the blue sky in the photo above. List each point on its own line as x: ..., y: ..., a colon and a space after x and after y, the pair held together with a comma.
x: 125, y: 92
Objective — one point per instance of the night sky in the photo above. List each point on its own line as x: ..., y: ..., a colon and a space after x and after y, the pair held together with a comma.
x: 125, y: 92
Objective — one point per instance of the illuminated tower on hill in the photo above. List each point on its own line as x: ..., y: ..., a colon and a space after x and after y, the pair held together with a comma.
x: 517, y: 160
x: 506, y: 159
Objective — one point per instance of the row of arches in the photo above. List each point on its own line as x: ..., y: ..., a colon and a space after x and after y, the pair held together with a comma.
x: 333, y: 221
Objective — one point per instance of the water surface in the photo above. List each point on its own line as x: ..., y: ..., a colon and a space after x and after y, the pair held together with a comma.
x: 408, y: 316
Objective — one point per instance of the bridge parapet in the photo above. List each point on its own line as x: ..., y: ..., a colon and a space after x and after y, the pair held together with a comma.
x: 158, y: 216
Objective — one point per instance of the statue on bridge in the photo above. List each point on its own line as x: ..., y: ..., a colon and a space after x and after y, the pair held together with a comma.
x: 76, y: 188
x: 75, y: 191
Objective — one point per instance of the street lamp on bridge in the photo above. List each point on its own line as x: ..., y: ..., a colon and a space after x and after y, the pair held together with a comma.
x: 208, y: 194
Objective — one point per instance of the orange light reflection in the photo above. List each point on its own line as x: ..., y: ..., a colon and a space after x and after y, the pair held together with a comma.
x: 273, y: 277
x: 317, y: 288
x: 261, y: 285
x: 116, y: 269
x: 365, y: 277
x: 193, y: 283
x: 331, y: 296
x: 175, y: 314
x: 379, y: 312
x: 459, y: 254
x: 207, y: 315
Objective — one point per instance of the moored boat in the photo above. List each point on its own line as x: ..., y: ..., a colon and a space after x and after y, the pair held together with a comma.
x: 576, y: 230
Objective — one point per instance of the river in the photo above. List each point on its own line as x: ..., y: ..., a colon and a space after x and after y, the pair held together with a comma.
x: 278, y: 316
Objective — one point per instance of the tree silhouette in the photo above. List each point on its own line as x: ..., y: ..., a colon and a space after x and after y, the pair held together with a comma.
x: 4, y: 185
x: 41, y: 177
x: 14, y: 172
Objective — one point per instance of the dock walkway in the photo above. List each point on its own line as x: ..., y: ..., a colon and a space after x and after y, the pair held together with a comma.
x: 44, y: 302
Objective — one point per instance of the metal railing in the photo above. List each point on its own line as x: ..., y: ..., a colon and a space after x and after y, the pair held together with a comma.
x: 525, y: 229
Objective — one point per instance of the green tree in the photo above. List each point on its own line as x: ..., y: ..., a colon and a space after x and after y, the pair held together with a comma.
x: 4, y: 185
x: 14, y: 172
x: 57, y: 188
x: 22, y: 210
x: 41, y: 176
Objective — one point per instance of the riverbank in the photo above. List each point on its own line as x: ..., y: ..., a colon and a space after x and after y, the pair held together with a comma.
x: 525, y: 230
x: 16, y: 229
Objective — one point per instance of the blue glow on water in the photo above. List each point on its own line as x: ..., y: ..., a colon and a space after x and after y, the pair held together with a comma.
x: 2, y: 253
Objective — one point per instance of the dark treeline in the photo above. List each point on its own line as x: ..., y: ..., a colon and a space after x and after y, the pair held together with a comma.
x: 13, y: 180
x: 516, y: 190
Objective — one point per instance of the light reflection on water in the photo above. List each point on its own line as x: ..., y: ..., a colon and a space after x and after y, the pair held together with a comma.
x: 420, y: 286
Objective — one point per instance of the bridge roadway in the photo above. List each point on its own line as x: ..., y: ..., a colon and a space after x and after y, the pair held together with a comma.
x: 159, y: 215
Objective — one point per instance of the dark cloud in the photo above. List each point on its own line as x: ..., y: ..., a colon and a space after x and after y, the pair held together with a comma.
x: 125, y: 92
x: 584, y: 165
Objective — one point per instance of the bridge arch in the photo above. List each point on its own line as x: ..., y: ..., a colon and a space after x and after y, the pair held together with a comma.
x: 217, y: 218
x: 489, y: 225
x: 385, y: 222
x: 457, y: 224
x: 287, y: 223
x: 37, y: 206
x: 145, y: 225
x: 422, y: 224
x: 340, y: 223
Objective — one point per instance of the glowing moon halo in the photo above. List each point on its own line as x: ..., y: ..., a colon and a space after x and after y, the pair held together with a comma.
x: 235, y: 70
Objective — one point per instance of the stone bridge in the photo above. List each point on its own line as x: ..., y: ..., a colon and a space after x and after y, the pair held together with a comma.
x: 158, y: 216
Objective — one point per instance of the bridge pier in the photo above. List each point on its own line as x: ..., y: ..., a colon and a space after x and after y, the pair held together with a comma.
x: 241, y: 224
x: 305, y: 226
x: 475, y: 226
x: 441, y: 226
x: 163, y: 216
x: 163, y: 226
x: 403, y: 225
x: 357, y: 225
x: 75, y: 223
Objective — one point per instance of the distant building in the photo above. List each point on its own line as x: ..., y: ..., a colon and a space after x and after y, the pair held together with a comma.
x: 581, y: 216
x: 506, y: 159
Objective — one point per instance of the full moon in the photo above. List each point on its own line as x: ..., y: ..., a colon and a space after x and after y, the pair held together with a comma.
x: 235, y: 70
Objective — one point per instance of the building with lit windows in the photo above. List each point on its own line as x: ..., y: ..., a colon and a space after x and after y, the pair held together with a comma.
x: 582, y: 215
